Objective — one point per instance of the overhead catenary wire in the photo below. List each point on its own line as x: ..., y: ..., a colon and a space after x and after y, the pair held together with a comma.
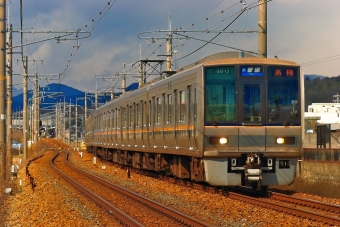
x: 322, y: 60
x: 160, y: 43
x: 243, y: 10
x: 198, y: 37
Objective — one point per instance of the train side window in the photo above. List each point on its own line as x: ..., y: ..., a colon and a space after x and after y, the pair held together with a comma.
x: 150, y: 113
x: 113, y: 118
x: 100, y: 122
x: 131, y: 116
x: 163, y: 108
x: 182, y: 106
x: 158, y: 110
x: 108, y: 120
x: 138, y: 115
x: 145, y: 114
x: 195, y: 105
x: 119, y: 124
x: 107, y: 117
x: 189, y: 111
x: 105, y: 120
x: 169, y: 108
x: 124, y: 117
x: 175, y: 105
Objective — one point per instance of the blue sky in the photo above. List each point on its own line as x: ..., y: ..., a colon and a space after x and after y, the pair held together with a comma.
x: 303, y: 31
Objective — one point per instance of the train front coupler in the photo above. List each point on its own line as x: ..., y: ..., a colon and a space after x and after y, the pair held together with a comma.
x: 252, y: 171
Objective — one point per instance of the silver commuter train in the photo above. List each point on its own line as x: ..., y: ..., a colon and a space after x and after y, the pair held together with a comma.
x: 223, y: 120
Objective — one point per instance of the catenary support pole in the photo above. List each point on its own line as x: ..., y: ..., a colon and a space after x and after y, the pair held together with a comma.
x: 262, y: 29
x: 24, y: 111
x: 9, y: 97
x: 3, y: 88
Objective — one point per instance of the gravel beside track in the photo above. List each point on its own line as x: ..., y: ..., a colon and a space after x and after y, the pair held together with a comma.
x: 55, y: 203
x: 212, y: 208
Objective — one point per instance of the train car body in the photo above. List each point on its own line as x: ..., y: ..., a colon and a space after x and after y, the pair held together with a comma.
x: 224, y: 120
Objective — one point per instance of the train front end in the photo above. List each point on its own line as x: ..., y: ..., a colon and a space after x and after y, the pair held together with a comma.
x: 253, y: 122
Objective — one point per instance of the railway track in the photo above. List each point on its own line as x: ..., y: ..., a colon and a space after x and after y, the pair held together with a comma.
x: 323, y: 212
x: 310, y: 209
x: 286, y: 208
x: 151, y: 210
x: 306, y: 209
x: 313, y: 210
x: 306, y: 202
x: 319, y: 206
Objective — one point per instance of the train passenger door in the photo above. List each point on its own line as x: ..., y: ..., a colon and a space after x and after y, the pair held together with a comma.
x: 252, y: 115
x: 191, y: 112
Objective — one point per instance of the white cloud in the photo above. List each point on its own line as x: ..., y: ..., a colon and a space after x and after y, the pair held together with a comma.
x: 298, y: 30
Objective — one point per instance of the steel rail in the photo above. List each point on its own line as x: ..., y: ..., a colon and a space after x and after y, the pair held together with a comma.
x: 287, y: 209
x: 305, y: 202
x: 118, y: 214
x: 180, y: 217
x: 271, y: 205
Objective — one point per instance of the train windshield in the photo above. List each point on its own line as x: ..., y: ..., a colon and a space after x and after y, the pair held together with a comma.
x: 252, y: 102
x: 220, y: 95
x: 283, y: 96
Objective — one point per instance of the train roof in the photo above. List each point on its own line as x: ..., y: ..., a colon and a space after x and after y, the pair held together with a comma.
x: 226, y: 58
x: 232, y: 57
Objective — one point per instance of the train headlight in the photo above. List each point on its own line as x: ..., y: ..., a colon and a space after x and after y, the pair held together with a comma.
x: 280, y: 140
x: 287, y: 140
x: 223, y: 140
x: 217, y: 140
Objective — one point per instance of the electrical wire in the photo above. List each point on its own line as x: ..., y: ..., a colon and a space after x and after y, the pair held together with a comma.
x: 323, y: 60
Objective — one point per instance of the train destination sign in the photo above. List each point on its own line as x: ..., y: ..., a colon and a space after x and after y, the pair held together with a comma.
x: 221, y: 70
x: 251, y: 71
x: 283, y: 72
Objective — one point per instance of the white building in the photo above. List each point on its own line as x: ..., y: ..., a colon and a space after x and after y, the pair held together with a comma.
x: 329, y: 113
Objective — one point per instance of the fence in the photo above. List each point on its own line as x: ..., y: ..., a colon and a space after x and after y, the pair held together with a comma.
x: 321, y: 154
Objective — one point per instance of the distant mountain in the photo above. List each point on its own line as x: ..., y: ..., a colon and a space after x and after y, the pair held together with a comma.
x: 57, y: 93
x: 53, y: 94
x: 16, y: 91
x: 321, y: 90
x: 314, y: 76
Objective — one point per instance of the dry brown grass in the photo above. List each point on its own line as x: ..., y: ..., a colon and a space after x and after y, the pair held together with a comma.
x: 18, y: 135
x: 320, y: 188
x: 35, y: 150
x: 2, y: 199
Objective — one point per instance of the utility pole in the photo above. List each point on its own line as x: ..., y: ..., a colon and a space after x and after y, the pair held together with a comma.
x: 36, y: 112
x: 85, y: 104
x: 169, y: 47
x: 337, y: 98
x: 3, y: 88
x: 64, y: 122
x: 262, y: 29
x: 140, y: 68
x: 96, y: 97
x: 76, y: 123
x: 9, y: 96
x: 24, y: 111
x: 69, y: 123
x: 123, y: 82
